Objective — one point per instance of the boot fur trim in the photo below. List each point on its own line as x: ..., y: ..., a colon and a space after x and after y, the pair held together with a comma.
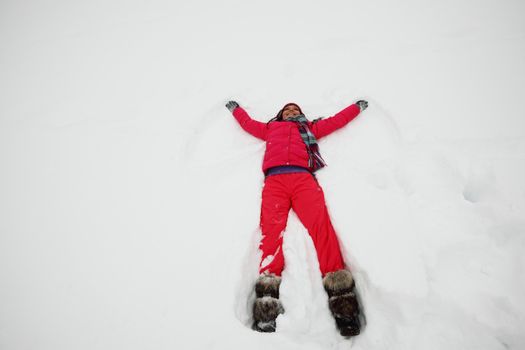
x: 268, y: 285
x: 338, y: 282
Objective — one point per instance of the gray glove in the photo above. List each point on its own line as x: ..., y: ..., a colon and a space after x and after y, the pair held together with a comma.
x: 362, y: 104
x: 231, y: 105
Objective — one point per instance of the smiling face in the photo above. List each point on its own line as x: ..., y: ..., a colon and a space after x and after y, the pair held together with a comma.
x: 291, y: 110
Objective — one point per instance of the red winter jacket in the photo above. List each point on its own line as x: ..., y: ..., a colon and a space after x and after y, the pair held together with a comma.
x: 284, y: 145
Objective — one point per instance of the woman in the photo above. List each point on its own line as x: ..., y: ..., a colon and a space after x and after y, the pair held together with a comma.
x: 291, y: 158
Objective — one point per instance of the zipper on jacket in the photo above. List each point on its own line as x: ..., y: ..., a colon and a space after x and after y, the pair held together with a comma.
x: 289, y: 143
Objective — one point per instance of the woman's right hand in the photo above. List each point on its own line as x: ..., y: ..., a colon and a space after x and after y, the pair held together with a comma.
x: 362, y: 104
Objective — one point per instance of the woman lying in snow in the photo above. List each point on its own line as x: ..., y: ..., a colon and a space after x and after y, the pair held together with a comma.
x: 291, y: 158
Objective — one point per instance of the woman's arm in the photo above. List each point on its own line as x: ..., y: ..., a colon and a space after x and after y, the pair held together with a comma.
x: 329, y: 125
x: 254, y: 127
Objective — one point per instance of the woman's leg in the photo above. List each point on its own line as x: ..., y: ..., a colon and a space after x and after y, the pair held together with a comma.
x: 275, y: 207
x: 274, y: 215
x: 308, y: 202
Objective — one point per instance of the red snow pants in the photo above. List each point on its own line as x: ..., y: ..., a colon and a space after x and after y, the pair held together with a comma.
x: 302, y: 193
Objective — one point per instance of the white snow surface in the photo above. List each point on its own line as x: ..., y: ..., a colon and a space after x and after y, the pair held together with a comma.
x: 130, y: 197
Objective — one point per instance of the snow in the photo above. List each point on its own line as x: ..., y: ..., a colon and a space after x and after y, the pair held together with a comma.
x: 129, y: 196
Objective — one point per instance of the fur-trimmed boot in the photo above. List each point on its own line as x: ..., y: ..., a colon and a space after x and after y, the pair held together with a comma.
x: 343, y: 302
x: 267, y: 305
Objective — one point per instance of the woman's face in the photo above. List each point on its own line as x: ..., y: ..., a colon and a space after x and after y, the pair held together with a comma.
x: 291, y: 111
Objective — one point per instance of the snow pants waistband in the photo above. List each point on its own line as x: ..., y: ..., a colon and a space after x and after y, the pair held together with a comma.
x: 286, y: 169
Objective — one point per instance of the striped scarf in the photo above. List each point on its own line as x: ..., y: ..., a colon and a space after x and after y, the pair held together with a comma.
x: 315, y: 161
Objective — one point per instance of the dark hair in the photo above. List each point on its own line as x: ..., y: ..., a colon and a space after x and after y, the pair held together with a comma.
x: 277, y: 118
